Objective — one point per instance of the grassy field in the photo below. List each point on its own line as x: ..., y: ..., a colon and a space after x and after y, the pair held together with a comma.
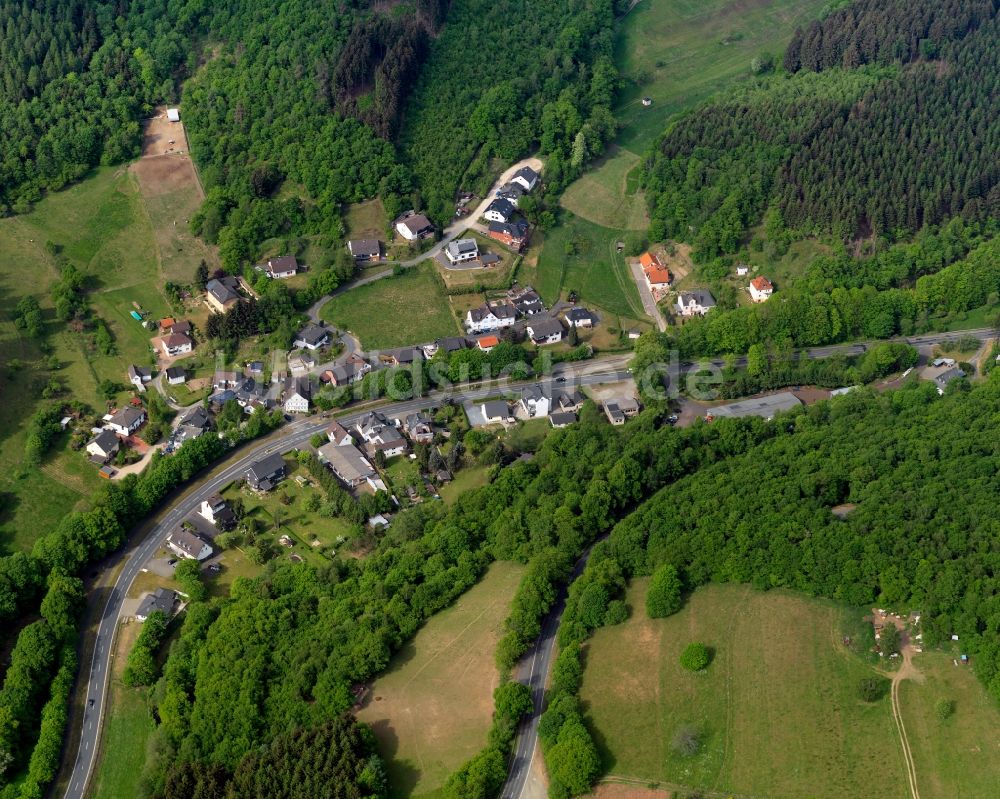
x: 465, y: 480
x: 431, y: 710
x: 677, y: 52
x: 127, y: 727
x: 959, y: 756
x: 581, y: 256
x: 776, y: 712
x: 409, y: 308
x: 365, y: 220
x: 101, y: 226
x: 604, y: 196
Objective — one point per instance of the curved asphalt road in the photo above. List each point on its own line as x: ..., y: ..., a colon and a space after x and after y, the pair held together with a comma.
x: 295, y: 435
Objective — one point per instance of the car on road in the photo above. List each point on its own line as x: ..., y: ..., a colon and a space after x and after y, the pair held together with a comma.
x: 172, y: 561
x: 90, y: 703
x: 560, y: 379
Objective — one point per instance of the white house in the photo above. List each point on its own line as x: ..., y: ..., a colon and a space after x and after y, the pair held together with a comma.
x: 176, y: 344
x: 534, y: 402
x: 760, y: 289
x: 742, y: 270
x: 491, y: 316
x: 104, y: 445
x: 281, y: 268
x: 380, y: 435
x: 187, y: 545
x: 127, y: 420
x: 545, y: 331
x: 162, y: 600
x: 176, y: 375
x: 414, y: 226
x: 312, y: 337
x: 138, y: 376
x: 338, y: 436
x: 580, y: 317
x: 216, y: 510
x: 496, y: 411
x: 297, y: 394
x: 500, y: 210
x: 526, y: 177
x: 462, y: 250
x: 695, y: 303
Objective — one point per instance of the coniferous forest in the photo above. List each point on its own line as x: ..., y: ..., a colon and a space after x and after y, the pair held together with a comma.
x: 907, y: 141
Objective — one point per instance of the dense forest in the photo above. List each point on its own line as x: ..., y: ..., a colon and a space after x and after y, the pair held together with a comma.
x: 921, y: 471
x: 294, y: 107
x: 908, y: 141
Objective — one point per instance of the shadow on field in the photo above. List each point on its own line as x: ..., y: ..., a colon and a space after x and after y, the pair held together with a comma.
x: 403, y: 776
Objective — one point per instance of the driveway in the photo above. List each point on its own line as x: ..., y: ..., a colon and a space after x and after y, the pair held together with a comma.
x: 648, y: 303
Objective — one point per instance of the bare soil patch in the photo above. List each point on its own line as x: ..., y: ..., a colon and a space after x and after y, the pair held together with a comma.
x: 158, y: 132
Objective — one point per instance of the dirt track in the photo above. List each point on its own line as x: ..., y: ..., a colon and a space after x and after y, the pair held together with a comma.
x: 907, y: 671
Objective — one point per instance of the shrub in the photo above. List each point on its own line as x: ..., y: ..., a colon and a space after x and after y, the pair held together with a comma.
x: 944, y: 709
x: 686, y: 741
x: 695, y: 657
x: 871, y: 689
x: 617, y: 612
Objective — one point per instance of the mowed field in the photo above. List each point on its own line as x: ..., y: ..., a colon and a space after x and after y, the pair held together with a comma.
x: 776, y: 712
x: 432, y: 709
x: 580, y: 256
x: 958, y: 756
x: 409, y: 308
x: 677, y: 52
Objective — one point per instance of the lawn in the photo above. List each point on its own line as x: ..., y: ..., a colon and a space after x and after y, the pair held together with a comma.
x: 366, y: 220
x: 409, y: 308
x: 581, y: 256
x: 776, y: 712
x: 431, y: 710
x: 528, y: 436
x: 465, y: 480
x: 959, y: 756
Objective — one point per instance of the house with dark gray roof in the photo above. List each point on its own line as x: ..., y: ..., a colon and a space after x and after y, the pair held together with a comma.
x: 103, y: 446
x: 545, y: 331
x: 127, y: 420
x: 222, y: 293
x: 499, y: 210
x: 312, y: 337
x: 284, y: 266
x: 159, y: 601
x: 265, y: 474
x: 526, y: 177
x: 695, y: 303
x: 364, y: 250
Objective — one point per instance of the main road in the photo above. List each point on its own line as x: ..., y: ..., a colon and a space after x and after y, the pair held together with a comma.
x: 292, y: 436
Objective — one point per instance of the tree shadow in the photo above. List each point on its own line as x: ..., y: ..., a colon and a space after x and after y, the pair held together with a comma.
x: 403, y: 775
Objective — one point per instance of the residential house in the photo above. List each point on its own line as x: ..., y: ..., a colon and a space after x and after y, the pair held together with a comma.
x: 338, y: 436
x: 580, y: 317
x: 499, y: 210
x: 364, y: 250
x: 176, y: 375
x: 171, y: 325
x: 127, y: 420
x: 695, y: 303
x: 526, y: 300
x: 298, y: 393
x: 216, y: 510
x: 402, y: 357
x: 312, y: 337
x: 534, y: 402
x: 618, y: 410
x: 545, y: 331
x: 496, y: 411
x: 566, y: 400
x: 450, y: 344
x: 487, y: 343
x: 414, y: 226
x: 526, y: 177
x: 254, y: 369
x: 103, y: 446
x: 513, y: 234
x: 282, y: 267
x: 760, y: 289
x: 380, y: 435
x: 462, y: 250
x: 943, y: 379
x: 562, y: 419
x: 349, y: 372
x: 185, y: 544
x: 491, y: 316
x: 300, y: 361
x: 161, y: 600
x: 742, y: 270
x: 222, y: 293
x: 138, y: 376
x: 265, y: 474
x: 347, y: 463
x: 512, y: 192
x: 657, y: 276
x: 419, y: 427
x: 176, y: 344
x: 193, y: 423
x: 224, y: 379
